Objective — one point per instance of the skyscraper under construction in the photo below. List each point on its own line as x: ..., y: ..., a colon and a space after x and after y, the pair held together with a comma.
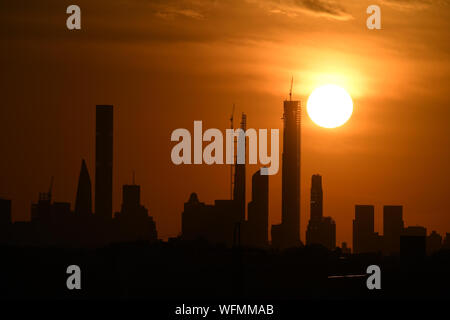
x: 287, y: 234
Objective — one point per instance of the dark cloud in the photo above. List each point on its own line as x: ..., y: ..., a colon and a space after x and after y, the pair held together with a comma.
x: 414, y: 4
x: 151, y: 21
x: 199, y: 9
x: 320, y: 8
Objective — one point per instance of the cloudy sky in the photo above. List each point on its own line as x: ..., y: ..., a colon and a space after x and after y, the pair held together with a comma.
x: 165, y: 63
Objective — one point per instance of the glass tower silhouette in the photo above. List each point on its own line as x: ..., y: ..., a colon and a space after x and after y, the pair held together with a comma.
x: 83, y: 202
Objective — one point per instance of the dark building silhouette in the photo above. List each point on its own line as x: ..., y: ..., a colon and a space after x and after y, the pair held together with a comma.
x: 213, y: 223
x: 434, y: 242
x: 364, y: 237
x: 5, y: 219
x: 133, y: 222
x: 221, y: 223
x: 414, y: 231
x: 83, y: 202
x: 412, y: 246
x: 224, y: 222
x: 5, y: 212
x: 104, y: 161
x: 446, y: 242
x: 328, y: 233
x: 51, y: 222
x: 392, y: 228
x: 345, y: 249
x: 413, y: 242
x: 287, y: 234
x: 255, y: 231
x: 316, y: 203
x: 321, y: 230
x: 41, y: 212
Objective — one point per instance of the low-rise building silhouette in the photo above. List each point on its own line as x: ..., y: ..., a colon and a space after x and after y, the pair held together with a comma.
x: 5, y: 219
x: 392, y: 228
x: 345, y: 249
x: 446, y: 242
x: 414, y: 231
x: 364, y: 237
x: 213, y: 223
x: 434, y: 242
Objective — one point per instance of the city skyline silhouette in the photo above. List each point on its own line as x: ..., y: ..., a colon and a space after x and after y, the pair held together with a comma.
x: 87, y: 176
x: 227, y: 222
x: 393, y: 150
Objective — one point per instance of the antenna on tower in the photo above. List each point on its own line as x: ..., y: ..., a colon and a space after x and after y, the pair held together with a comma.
x: 231, y: 165
x: 290, y: 91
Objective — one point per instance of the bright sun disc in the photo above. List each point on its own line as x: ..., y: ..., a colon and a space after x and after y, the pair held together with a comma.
x: 329, y: 106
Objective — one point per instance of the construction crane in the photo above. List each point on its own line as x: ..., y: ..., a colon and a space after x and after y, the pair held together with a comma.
x: 231, y: 165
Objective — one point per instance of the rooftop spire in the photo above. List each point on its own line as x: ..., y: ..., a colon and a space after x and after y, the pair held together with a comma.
x: 290, y: 91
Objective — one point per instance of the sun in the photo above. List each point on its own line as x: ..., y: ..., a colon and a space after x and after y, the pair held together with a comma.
x: 329, y: 106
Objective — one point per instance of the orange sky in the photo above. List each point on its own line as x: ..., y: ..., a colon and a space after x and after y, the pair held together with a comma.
x: 164, y: 64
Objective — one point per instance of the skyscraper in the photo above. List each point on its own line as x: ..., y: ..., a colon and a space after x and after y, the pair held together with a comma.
x: 316, y: 203
x: 364, y: 237
x: 288, y: 233
x: 83, y: 202
x: 290, y: 202
x: 258, y: 211
x: 320, y: 230
x: 224, y: 221
x: 104, y: 161
x: 392, y: 228
x: 131, y: 198
x: 133, y: 222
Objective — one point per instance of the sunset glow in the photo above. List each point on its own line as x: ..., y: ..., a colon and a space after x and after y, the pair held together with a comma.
x: 330, y: 106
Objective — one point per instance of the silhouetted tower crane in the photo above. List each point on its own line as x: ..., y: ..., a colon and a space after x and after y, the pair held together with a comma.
x: 232, y: 165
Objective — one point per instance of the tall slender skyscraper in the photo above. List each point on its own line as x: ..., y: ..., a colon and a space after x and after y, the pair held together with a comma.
x: 104, y: 161
x: 83, y: 202
x: 288, y: 233
x: 290, y: 202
